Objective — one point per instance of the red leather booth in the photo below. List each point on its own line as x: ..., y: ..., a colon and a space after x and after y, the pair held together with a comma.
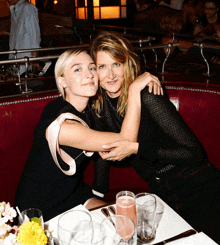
x: 198, y: 105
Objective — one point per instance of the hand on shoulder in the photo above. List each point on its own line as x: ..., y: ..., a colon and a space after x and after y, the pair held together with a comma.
x: 147, y: 79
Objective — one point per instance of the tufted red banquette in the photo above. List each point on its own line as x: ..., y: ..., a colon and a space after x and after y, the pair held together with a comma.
x: 198, y: 105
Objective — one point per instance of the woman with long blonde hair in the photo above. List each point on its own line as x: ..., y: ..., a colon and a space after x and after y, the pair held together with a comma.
x: 167, y: 155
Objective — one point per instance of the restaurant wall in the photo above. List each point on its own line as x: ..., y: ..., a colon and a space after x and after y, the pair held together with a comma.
x: 4, y: 9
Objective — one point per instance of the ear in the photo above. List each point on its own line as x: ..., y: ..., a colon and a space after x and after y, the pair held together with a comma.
x: 61, y: 81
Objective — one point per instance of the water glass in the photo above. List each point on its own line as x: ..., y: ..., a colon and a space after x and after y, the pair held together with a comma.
x: 158, y: 214
x: 75, y: 227
x: 29, y: 215
x: 118, y: 229
x: 146, y: 207
x: 125, y: 205
x: 140, y: 199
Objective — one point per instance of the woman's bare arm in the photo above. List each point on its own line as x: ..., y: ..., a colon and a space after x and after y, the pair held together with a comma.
x: 78, y: 136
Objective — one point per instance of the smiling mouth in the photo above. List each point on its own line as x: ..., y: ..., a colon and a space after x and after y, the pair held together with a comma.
x: 112, y: 82
x: 89, y: 84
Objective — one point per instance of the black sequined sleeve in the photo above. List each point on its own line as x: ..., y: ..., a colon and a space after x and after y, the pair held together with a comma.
x: 164, y: 137
x: 101, y: 178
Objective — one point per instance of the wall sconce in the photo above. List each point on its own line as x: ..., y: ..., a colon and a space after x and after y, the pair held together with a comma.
x: 55, y: 2
x: 33, y: 1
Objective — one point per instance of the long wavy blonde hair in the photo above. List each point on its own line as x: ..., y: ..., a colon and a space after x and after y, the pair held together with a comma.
x: 121, y: 50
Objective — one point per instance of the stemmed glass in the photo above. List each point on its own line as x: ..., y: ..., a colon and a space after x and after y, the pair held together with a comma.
x: 75, y: 227
x: 125, y: 205
x: 118, y: 230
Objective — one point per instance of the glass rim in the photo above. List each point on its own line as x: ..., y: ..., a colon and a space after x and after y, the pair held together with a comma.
x: 125, y: 193
x: 72, y: 211
x: 28, y: 209
x: 60, y: 224
x: 140, y: 195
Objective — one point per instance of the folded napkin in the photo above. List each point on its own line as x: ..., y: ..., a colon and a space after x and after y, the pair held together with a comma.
x: 196, y: 239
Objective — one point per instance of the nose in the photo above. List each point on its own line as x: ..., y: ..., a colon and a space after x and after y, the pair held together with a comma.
x: 111, y: 73
x: 89, y: 73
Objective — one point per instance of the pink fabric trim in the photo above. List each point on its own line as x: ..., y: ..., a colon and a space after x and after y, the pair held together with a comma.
x: 52, y: 138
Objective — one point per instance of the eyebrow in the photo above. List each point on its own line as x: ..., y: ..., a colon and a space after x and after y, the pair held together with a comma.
x: 77, y: 64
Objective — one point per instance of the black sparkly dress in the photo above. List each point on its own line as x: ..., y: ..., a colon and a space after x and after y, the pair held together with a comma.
x: 170, y: 158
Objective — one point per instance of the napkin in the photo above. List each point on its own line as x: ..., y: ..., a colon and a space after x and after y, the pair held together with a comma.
x: 196, y: 239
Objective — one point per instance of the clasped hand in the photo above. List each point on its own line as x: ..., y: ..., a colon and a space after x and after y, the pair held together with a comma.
x: 119, y: 150
x: 147, y: 79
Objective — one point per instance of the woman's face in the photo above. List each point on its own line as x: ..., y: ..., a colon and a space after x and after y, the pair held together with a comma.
x: 210, y: 9
x: 111, y: 74
x: 80, y: 77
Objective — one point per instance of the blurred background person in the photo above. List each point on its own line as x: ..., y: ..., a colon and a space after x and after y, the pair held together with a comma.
x: 164, y: 3
x: 172, y: 24
x: 192, y: 11
x: 210, y: 17
x: 176, y: 4
x: 24, y: 30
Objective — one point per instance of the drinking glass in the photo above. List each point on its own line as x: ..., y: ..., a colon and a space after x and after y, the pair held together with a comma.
x: 125, y: 205
x: 118, y: 230
x: 29, y: 215
x: 140, y: 199
x: 75, y: 227
x: 97, y: 238
x: 158, y: 214
x: 146, y: 207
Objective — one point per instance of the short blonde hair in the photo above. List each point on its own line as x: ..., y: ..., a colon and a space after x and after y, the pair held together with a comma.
x: 62, y: 62
x: 121, y: 50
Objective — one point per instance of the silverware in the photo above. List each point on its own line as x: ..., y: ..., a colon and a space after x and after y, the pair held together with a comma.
x: 107, y: 214
x: 112, y: 209
x: 181, y: 235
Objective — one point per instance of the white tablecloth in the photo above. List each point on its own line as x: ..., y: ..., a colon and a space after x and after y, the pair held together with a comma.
x: 170, y: 225
x: 196, y: 239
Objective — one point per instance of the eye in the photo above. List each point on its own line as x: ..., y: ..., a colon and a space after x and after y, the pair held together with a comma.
x: 116, y: 64
x: 77, y: 69
x: 93, y: 68
x: 101, y: 66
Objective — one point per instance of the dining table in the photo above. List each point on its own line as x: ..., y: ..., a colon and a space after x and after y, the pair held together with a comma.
x: 171, y: 226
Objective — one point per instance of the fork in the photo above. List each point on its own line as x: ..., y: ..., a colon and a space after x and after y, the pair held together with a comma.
x: 107, y: 214
x: 112, y: 209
